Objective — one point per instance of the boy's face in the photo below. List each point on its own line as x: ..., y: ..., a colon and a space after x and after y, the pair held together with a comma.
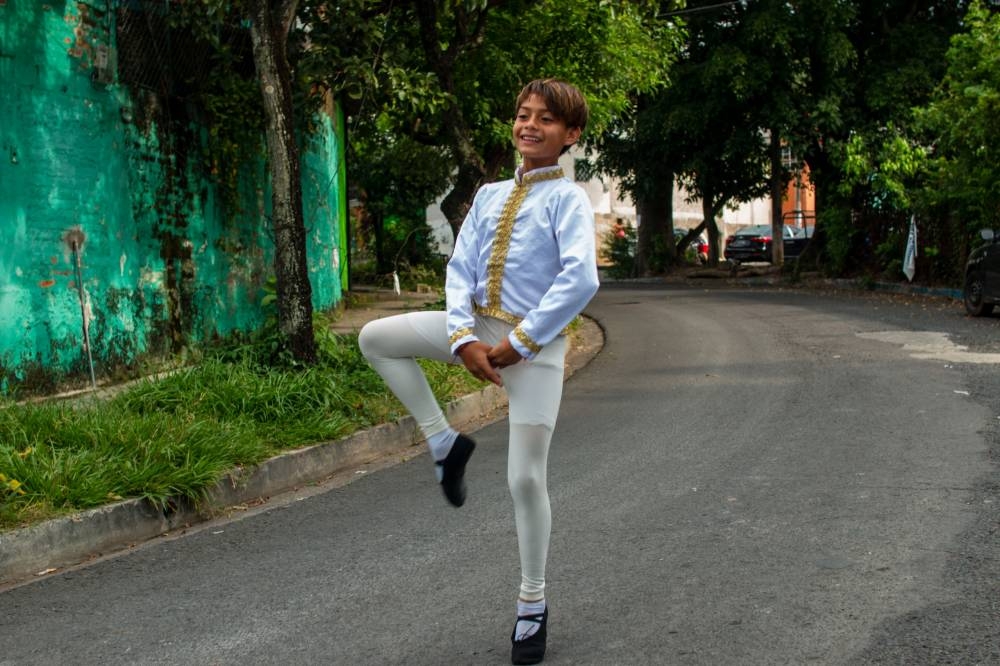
x: 539, y: 136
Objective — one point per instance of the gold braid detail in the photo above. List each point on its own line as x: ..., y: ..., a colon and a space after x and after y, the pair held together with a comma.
x: 539, y: 176
x: 501, y: 244
x: 505, y: 227
x: 526, y: 340
x: 459, y: 334
x: 511, y: 319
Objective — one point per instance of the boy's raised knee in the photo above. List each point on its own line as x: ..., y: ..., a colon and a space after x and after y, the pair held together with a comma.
x: 370, y: 338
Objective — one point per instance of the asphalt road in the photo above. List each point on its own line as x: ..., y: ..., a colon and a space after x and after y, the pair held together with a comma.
x: 742, y: 476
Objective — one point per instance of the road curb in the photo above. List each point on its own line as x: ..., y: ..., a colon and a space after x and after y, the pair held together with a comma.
x: 900, y: 288
x: 55, y: 544
x: 772, y: 277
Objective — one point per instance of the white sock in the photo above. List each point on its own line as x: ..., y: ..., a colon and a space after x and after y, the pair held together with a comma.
x: 440, y: 444
x: 526, y: 629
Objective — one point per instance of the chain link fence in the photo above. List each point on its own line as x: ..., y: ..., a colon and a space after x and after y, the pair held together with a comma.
x: 162, y: 48
x: 191, y: 74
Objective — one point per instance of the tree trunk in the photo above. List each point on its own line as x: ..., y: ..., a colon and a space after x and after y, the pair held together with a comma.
x: 777, y: 195
x: 655, y: 221
x: 376, y: 222
x: 819, y: 165
x: 457, y: 203
x: 709, y: 212
x: 269, y: 33
x: 472, y: 175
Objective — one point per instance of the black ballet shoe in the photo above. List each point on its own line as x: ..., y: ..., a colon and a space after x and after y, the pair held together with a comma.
x: 453, y: 470
x: 532, y: 649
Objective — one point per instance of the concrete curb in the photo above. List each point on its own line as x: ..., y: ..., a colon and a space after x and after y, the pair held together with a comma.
x: 772, y: 277
x: 62, y: 542
x: 900, y: 288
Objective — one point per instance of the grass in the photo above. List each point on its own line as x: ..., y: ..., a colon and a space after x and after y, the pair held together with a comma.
x: 177, y: 436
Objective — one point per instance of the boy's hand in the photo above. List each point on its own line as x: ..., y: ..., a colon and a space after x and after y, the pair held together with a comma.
x: 504, y: 354
x: 475, y: 357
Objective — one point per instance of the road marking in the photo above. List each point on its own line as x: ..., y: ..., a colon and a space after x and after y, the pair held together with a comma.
x: 930, y: 345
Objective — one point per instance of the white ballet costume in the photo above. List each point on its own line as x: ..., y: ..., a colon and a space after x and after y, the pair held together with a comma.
x: 524, y: 266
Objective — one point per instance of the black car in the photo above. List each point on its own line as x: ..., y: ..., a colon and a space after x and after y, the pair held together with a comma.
x: 754, y: 243
x: 982, y: 276
x: 796, y: 242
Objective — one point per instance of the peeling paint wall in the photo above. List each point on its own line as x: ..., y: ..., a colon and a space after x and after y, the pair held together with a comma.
x: 325, y: 207
x: 103, y: 225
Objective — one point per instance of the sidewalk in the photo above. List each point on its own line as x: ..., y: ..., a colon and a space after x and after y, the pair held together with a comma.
x: 52, y: 546
x: 371, y: 303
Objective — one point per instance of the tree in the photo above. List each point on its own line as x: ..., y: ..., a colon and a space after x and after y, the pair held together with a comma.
x: 714, y: 127
x: 712, y: 124
x: 961, y: 126
x: 862, y: 90
x: 388, y: 186
x: 271, y: 21
x: 445, y: 73
x: 633, y: 149
x: 809, y: 75
x: 770, y: 35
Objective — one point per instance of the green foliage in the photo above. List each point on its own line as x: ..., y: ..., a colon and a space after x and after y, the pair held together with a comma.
x: 81, y: 458
x: 658, y: 260
x: 885, y: 167
x: 430, y: 274
x: 609, y: 49
x: 873, y: 163
x: 11, y: 489
x: 891, y: 249
x: 176, y: 436
x: 286, y: 408
x: 446, y: 74
x: 394, y: 195
x: 961, y: 122
x: 706, y: 129
x: 618, y: 247
x: 936, y: 160
x: 222, y: 94
x: 837, y: 224
x: 234, y: 141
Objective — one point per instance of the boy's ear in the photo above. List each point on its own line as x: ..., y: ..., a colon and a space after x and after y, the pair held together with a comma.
x: 572, y: 135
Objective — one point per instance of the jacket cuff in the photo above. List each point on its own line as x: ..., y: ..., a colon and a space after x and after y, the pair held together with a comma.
x: 460, y: 337
x: 523, y: 343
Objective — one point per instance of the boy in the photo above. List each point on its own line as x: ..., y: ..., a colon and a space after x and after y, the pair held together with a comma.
x: 523, y: 268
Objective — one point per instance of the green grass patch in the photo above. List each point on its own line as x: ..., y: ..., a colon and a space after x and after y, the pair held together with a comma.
x: 179, y: 435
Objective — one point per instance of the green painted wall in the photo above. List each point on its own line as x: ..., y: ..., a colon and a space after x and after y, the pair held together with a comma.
x: 84, y: 186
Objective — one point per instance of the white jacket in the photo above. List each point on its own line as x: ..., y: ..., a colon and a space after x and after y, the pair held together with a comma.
x: 525, y: 255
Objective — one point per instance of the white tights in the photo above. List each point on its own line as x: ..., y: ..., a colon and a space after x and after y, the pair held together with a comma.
x: 534, y: 390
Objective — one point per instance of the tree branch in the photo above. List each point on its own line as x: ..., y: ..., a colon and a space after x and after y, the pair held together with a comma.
x: 429, y: 36
x: 284, y: 14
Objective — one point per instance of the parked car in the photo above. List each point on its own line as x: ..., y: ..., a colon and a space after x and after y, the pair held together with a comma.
x: 754, y: 243
x: 699, y: 246
x: 796, y: 243
x: 982, y: 276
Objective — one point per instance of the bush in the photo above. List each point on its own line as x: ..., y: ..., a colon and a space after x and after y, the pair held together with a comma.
x: 618, y: 248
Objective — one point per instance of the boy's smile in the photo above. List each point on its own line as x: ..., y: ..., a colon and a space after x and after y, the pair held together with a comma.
x: 539, y: 136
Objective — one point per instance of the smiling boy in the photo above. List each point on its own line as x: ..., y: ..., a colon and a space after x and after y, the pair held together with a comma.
x: 523, y: 268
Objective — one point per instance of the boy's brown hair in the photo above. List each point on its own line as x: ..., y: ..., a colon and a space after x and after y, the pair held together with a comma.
x: 563, y: 99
